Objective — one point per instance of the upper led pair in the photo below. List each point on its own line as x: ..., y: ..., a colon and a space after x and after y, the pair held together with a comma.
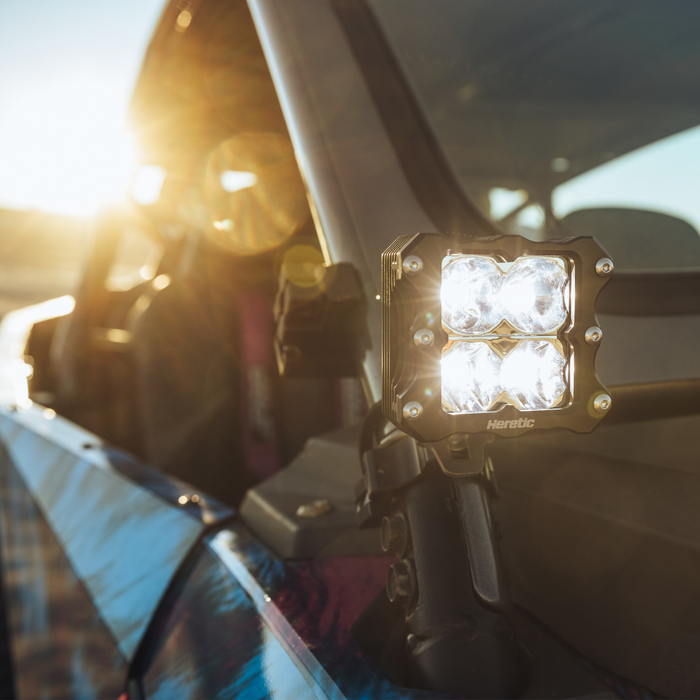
x: 478, y: 294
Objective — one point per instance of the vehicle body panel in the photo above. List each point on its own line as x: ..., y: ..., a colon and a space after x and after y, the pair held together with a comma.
x: 248, y: 623
x: 59, y: 645
x: 105, y: 574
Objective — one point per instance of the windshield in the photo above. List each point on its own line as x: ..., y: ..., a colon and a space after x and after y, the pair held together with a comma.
x: 576, y: 118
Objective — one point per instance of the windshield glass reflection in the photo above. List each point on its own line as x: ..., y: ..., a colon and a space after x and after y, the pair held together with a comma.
x: 551, y: 109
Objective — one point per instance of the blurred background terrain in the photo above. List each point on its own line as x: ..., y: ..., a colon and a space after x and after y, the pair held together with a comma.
x: 41, y: 256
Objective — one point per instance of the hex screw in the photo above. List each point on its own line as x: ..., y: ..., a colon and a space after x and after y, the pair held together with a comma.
x: 593, y: 335
x: 394, y: 534
x: 401, y: 583
x: 412, y: 410
x: 424, y: 338
x: 604, y: 267
x: 602, y: 403
x: 412, y: 265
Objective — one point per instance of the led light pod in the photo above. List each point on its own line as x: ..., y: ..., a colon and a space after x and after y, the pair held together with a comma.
x: 508, y: 318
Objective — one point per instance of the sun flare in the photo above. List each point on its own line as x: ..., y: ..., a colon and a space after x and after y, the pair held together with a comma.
x: 66, y: 150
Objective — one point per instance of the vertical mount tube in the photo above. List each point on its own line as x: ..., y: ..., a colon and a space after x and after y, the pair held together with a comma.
x: 460, y: 639
x: 488, y: 573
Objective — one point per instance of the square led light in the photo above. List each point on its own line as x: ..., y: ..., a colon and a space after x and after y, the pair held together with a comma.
x: 491, y: 334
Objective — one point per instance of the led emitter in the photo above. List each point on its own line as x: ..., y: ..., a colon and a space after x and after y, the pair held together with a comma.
x: 533, y: 375
x: 534, y: 295
x: 470, y: 377
x: 470, y: 295
x: 484, y: 297
x: 477, y: 293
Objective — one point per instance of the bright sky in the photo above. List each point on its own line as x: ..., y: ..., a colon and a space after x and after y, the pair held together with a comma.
x: 663, y: 176
x: 67, y: 70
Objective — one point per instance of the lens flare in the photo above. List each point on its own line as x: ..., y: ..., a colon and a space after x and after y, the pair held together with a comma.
x: 147, y: 184
x: 254, y: 194
x: 234, y: 180
x: 303, y: 265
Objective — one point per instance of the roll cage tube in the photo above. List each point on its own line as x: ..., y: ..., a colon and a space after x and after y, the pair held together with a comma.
x: 342, y: 148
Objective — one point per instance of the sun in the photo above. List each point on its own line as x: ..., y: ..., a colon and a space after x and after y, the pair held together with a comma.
x: 66, y: 149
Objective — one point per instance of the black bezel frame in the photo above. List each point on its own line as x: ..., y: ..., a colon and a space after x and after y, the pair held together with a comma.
x: 407, y: 299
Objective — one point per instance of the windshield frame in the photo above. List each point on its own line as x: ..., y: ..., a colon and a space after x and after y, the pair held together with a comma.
x: 429, y: 172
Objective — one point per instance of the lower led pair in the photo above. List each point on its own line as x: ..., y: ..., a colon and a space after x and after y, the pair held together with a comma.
x: 475, y: 379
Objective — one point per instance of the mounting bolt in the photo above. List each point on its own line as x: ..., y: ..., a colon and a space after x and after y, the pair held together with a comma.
x: 457, y: 442
x: 412, y: 410
x: 424, y: 338
x: 394, y: 534
x: 314, y: 509
x: 401, y: 583
x: 602, y: 403
x: 593, y: 335
x: 604, y: 267
x: 412, y: 265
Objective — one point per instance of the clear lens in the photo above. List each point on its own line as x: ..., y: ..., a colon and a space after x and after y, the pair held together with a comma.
x: 534, y: 295
x: 470, y: 295
x: 477, y: 296
x: 470, y: 377
x: 533, y: 375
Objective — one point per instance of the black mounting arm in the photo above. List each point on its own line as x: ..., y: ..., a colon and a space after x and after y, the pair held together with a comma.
x: 433, y: 504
